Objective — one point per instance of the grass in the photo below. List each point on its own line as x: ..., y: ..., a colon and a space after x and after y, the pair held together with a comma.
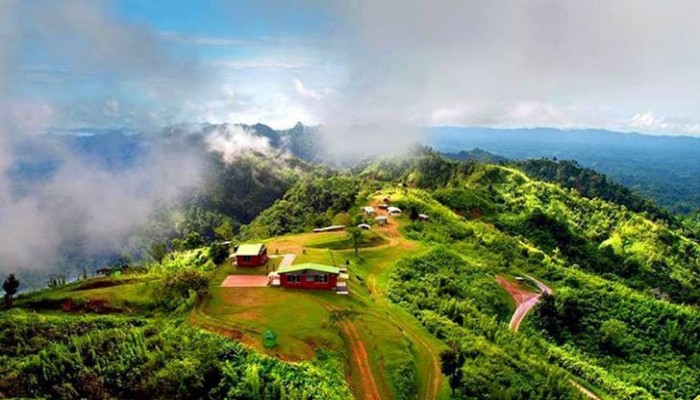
x: 301, y: 318
x: 368, y: 239
x: 126, y: 293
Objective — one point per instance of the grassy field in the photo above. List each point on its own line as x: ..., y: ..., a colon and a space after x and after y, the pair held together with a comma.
x: 127, y: 293
x: 391, y: 338
x: 301, y: 319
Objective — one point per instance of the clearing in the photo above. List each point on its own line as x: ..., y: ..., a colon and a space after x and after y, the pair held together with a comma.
x: 302, y: 319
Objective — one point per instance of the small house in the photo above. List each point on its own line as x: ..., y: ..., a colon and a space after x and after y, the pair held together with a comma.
x: 369, y: 210
x: 383, y: 206
x: 251, y: 255
x: 309, y: 276
x: 364, y: 226
x: 381, y: 220
x: 422, y: 217
x: 393, y: 210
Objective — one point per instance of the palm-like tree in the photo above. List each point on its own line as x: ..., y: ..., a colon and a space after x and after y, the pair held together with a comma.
x: 10, y: 287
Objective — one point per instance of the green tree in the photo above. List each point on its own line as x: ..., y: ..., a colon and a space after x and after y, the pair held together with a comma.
x: 10, y: 287
x: 355, y: 236
x: 450, y: 363
x: 157, y: 251
x: 186, y: 280
x: 192, y: 241
x: 218, y: 252
x: 614, y: 335
x: 225, y: 230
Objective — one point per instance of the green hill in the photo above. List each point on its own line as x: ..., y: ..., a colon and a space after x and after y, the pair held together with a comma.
x: 432, y: 301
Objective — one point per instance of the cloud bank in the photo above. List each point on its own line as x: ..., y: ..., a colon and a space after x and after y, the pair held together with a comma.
x: 82, y: 205
x: 502, y: 63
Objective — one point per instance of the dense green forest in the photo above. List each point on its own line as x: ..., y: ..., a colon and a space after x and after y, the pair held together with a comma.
x: 623, y: 320
x: 658, y: 167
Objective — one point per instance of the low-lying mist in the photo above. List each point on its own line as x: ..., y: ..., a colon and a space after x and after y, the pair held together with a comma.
x: 67, y: 202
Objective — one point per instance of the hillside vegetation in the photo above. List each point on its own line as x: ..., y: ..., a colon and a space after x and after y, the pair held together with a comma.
x: 427, y: 317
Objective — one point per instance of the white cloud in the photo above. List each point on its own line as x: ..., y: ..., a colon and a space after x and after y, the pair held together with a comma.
x: 305, y: 92
x: 204, y: 40
x: 650, y: 122
x: 232, y: 142
x: 261, y: 63
x: 529, y: 63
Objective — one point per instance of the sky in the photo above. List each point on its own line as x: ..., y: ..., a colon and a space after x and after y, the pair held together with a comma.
x: 626, y: 65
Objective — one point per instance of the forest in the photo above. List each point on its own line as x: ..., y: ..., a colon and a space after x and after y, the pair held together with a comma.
x: 622, y: 321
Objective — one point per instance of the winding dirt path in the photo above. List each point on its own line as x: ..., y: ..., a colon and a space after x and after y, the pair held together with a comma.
x: 525, y: 300
x: 434, y: 378
x: 368, y: 385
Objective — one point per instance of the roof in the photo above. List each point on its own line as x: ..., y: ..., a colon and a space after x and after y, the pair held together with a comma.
x: 368, y: 209
x: 311, y: 266
x: 329, y: 228
x: 249, y: 249
x: 380, y: 217
x: 393, y: 209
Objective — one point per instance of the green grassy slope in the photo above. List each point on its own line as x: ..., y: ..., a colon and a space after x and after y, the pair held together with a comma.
x: 623, y: 321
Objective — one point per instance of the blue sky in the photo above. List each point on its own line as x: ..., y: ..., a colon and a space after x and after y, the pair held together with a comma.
x: 620, y: 65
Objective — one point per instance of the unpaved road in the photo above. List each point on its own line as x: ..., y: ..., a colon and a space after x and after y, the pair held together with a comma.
x: 525, y: 300
x: 368, y: 386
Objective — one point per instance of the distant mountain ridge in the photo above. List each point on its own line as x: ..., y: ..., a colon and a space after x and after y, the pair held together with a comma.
x: 664, y: 168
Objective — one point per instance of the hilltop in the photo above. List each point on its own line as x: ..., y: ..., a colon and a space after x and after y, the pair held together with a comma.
x: 605, y: 294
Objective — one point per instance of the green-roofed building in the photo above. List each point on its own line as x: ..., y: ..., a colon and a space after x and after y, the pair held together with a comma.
x: 251, y: 255
x: 309, y: 276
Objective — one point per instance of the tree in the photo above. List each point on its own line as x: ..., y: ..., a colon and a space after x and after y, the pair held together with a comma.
x: 10, y: 287
x: 450, y: 363
x: 157, y: 251
x: 613, y: 335
x: 186, y: 280
x: 355, y: 236
x: 218, y: 252
x: 192, y: 241
x: 225, y: 230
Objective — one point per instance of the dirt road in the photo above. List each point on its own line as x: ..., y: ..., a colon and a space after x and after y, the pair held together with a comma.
x: 524, y: 300
x: 368, y: 385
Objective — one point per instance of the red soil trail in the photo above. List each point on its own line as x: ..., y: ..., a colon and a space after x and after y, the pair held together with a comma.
x: 368, y: 386
x: 524, y: 299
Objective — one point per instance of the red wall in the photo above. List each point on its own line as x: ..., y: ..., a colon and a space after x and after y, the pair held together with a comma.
x: 255, y: 261
x: 304, y: 284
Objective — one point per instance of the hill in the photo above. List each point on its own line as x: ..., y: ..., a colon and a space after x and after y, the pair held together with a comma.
x: 513, y: 287
x: 662, y: 168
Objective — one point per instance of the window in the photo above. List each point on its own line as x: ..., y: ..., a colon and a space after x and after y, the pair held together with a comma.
x: 293, y: 278
x: 310, y: 278
x: 321, y: 278
x: 246, y: 259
